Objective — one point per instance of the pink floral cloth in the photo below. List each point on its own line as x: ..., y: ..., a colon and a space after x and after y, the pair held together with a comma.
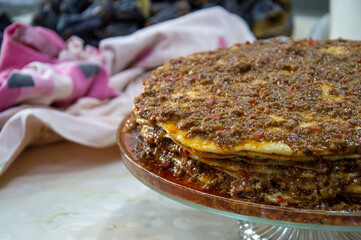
x: 38, y: 69
x: 30, y: 71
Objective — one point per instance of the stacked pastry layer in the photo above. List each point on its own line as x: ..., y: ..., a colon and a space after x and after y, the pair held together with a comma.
x: 275, y: 122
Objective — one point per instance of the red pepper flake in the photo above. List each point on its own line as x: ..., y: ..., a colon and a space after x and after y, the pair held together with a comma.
x: 167, y: 78
x: 281, y: 199
x: 222, y: 129
x: 179, y: 78
x: 258, y: 135
x: 219, y: 90
x: 137, y: 107
x: 237, y: 60
x: 216, y: 117
x: 253, y: 100
x: 310, y: 42
x: 315, y: 129
x: 351, y: 94
x: 292, y: 104
x: 185, y: 153
x: 294, y: 90
x: 262, y: 108
x: 210, y: 102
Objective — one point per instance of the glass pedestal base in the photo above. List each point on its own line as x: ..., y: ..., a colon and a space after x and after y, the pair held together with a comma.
x: 257, y: 231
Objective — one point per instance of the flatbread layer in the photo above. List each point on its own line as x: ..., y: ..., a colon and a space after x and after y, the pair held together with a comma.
x: 332, y: 185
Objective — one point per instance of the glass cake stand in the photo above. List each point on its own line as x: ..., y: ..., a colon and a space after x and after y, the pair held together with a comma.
x: 256, y: 221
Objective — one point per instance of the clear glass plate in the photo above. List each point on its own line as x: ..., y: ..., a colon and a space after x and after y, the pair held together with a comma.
x: 246, y: 212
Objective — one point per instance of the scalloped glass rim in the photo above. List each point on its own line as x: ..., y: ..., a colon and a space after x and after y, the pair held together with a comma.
x: 237, y: 209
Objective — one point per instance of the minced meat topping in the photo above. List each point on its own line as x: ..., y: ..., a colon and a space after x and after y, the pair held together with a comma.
x: 305, y: 93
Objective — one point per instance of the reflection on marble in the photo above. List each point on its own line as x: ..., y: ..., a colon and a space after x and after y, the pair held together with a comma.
x: 67, y: 191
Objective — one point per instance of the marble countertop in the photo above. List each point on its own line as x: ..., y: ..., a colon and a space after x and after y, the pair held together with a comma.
x: 68, y: 191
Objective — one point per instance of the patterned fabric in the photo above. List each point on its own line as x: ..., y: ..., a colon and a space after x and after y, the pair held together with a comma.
x: 30, y: 71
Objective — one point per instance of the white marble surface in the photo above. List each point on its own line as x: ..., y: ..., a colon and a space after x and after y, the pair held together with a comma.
x: 67, y: 191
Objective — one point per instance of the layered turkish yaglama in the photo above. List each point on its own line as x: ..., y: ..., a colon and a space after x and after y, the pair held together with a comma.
x: 275, y: 122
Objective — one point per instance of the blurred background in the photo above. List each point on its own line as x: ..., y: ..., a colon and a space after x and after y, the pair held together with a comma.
x: 93, y: 20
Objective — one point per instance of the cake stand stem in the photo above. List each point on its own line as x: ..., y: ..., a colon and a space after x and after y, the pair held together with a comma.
x: 257, y: 231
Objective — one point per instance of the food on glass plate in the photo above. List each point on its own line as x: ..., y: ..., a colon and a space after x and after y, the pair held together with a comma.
x: 275, y: 122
